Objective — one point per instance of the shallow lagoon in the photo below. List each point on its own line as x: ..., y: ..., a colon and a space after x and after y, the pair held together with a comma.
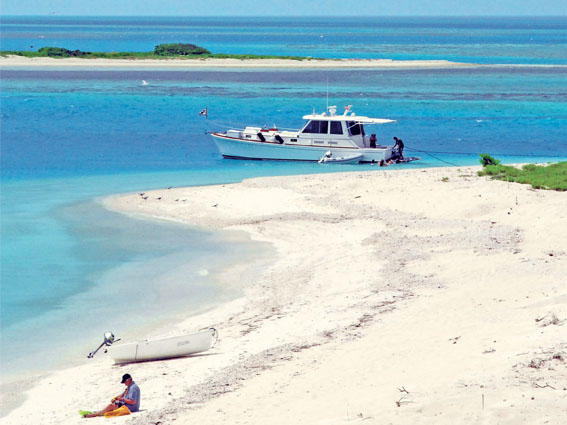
x: 71, y: 270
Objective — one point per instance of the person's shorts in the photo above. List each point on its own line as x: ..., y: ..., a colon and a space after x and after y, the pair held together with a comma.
x: 119, y: 403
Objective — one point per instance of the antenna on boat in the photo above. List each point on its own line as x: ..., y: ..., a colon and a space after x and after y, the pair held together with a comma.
x: 327, y: 94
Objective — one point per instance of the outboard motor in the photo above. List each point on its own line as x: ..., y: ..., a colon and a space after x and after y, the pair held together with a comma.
x: 326, y: 157
x: 108, y: 341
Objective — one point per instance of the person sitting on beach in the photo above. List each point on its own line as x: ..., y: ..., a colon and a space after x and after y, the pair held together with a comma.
x: 399, y: 145
x: 373, y: 141
x: 129, y: 398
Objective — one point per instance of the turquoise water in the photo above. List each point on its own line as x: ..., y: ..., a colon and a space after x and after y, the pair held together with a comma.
x: 71, y: 270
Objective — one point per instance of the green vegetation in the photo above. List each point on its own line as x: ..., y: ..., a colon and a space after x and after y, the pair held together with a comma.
x: 175, y: 50
x: 180, y: 49
x: 552, y: 176
x: 61, y: 52
x: 58, y: 52
x: 486, y: 159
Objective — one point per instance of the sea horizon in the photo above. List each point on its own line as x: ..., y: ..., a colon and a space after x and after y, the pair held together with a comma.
x: 326, y: 17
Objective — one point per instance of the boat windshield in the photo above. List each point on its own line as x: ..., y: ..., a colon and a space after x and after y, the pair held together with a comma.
x: 355, y: 128
x: 336, y: 127
x: 319, y: 127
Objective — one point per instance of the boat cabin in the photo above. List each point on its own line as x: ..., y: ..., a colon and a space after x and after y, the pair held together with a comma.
x: 337, y: 130
x: 333, y: 130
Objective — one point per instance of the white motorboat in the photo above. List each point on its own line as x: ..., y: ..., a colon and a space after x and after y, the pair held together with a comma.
x: 163, y: 348
x: 342, y: 135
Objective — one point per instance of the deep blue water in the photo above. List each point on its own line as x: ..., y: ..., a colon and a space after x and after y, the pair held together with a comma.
x: 467, y: 39
x: 69, y: 137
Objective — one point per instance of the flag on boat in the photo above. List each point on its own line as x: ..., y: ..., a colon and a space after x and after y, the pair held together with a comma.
x: 204, y: 112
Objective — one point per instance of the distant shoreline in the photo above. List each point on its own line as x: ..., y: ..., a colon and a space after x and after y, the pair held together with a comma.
x: 20, y: 61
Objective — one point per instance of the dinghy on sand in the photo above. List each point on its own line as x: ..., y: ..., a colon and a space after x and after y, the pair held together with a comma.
x: 159, y: 349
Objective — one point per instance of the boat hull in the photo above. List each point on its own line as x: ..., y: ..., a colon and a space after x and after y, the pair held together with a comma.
x: 163, y: 348
x: 231, y: 147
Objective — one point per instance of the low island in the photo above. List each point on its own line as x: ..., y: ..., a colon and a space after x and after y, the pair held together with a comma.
x: 182, y: 55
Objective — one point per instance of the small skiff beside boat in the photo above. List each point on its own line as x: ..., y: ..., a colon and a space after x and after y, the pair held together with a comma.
x: 159, y: 349
x: 329, y: 158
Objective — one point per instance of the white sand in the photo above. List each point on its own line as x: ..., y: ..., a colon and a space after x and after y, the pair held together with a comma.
x: 418, y: 296
x: 20, y: 61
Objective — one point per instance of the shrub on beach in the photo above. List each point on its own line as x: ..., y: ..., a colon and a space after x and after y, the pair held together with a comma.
x: 551, y: 176
x: 179, y: 49
x: 486, y: 159
x: 61, y: 52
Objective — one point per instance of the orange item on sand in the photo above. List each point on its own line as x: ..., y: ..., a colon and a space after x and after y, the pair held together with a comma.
x: 121, y: 411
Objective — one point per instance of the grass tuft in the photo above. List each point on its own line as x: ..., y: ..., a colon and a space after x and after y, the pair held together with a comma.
x: 549, y: 177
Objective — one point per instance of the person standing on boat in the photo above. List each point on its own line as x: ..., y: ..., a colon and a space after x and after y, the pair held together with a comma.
x: 129, y: 398
x: 400, y: 146
x: 373, y: 141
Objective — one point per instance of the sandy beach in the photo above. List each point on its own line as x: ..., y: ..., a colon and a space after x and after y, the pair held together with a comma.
x: 20, y: 61
x: 396, y: 297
